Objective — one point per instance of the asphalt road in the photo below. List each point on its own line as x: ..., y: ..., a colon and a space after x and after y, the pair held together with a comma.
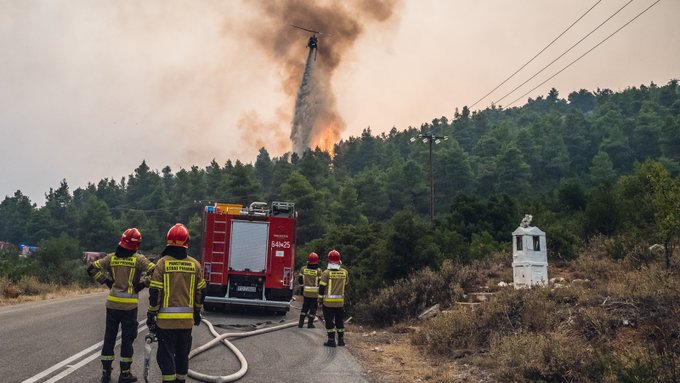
x: 60, y: 341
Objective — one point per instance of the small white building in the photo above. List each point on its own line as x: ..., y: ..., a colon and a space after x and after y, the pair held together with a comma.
x: 529, y: 255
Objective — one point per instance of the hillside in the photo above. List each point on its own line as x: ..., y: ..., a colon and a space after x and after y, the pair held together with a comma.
x: 598, y: 170
x: 601, y: 321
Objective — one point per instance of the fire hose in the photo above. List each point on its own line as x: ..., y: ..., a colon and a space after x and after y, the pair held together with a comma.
x: 223, y: 338
x: 218, y: 338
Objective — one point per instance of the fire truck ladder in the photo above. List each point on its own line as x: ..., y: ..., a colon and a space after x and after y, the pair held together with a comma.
x: 219, y: 243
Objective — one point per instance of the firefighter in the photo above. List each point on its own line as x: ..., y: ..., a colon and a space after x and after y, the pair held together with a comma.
x: 309, y: 280
x: 332, y: 296
x: 176, y: 297
x: 121, y: 272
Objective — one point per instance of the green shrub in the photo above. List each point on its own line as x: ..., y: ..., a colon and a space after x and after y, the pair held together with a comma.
x: 12, y: 266
x: 407, y: 298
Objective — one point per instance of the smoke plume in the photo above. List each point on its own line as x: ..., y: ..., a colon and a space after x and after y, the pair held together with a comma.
x: 316, y: 121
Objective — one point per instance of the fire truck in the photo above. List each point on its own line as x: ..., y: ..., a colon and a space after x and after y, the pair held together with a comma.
x: 248, y: 255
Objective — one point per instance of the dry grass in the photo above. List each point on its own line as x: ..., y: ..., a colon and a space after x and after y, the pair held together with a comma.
x: 407, y: 298
x: 388, y: 356
x: 610, y: 321
x: 539, y: 357
x: 29, y: 289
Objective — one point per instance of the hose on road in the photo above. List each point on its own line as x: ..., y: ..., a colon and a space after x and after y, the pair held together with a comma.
x: 223, y: 338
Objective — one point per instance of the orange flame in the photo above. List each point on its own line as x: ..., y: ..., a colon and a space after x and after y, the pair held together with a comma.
x: 327, y: 138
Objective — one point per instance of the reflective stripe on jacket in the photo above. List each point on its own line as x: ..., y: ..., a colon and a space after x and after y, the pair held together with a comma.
x: 179, y: 282
x: 125, y: 273
x: 310, y: 282
x: 335, y: 282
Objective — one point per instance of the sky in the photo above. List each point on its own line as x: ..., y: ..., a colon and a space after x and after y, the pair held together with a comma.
x: 91, y: 88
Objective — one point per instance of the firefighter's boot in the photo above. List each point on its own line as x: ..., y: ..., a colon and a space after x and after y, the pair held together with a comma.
x: 106, y: 376
x: 341, y: 339
x: 331, y: 339
x: 180, y: 380
x: 302, y: 321
x: 125, y: 375
x: 106, y: 371
x: 310, y: 322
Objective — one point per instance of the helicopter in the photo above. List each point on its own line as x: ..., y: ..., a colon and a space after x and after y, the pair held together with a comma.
x: 313, y: 42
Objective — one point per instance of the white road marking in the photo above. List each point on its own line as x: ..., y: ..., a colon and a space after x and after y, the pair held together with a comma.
x: 61, y: 364
x: 72, y: 368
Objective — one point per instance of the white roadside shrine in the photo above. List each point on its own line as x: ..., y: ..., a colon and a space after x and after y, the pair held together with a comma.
x: 529, y: 255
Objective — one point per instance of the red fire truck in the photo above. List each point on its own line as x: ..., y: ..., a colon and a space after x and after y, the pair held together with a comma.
x: 248, y: 254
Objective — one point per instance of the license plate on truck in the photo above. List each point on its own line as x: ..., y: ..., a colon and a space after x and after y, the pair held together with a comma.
x: 248, y: 289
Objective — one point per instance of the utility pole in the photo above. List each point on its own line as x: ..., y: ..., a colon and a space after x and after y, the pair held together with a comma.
x: 430, y: 138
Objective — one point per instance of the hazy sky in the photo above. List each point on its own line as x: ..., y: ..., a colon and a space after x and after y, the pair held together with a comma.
x: 90, y: 88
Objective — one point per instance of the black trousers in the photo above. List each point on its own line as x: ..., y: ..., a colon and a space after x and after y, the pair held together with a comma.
x: 127, y: 320
x: 334, y: 316
x: 309, y: 306
x: 173, y: 352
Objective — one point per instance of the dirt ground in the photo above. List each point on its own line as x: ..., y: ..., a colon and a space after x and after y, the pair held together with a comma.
x: 388, y: 356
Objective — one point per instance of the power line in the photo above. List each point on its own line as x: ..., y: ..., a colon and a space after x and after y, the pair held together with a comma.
x: 537, y: 54
x: 590, y: 50
x: 565, y: 52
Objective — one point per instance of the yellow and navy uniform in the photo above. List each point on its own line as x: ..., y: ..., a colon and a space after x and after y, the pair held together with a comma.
x: 309, y: 280
x: 332, y: 286
x: 125, y: 273
x: 180, y: 285
x: 334, y: 282
x: 176, y: 296
x: 122, y: 271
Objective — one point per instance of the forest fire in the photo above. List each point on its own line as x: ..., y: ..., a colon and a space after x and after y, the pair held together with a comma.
x: 327, y: 139
x: 334, y: 28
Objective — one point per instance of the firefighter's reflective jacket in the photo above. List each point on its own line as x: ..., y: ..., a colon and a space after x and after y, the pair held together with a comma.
x: 310, y: 282
x: 180, y: 284
x: 333, y: 282
x: 125, y: 273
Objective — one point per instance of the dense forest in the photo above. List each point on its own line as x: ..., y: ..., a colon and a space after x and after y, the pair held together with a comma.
x: 595, y: 163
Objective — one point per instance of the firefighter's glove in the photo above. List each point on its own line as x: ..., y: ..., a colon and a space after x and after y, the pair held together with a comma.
x: 151, y: 321
x: 197, y: 317
x: 108, y: 283
x: 139, y: 286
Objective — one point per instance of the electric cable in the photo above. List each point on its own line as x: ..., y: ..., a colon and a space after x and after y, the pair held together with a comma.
x: 537, y: 54
x: 590, y: 50
x: 565, y: 52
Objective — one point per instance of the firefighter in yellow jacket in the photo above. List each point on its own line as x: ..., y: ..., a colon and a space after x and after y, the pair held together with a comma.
x: 309, y: 280
x: 332, y: 295
x: 176, y: 297
x: 121, y: 272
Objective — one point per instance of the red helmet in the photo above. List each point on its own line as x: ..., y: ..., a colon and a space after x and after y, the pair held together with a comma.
x: 130, y: 239
x: 313, y: 259
x: 333, y: 256
x: 178, y: 235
